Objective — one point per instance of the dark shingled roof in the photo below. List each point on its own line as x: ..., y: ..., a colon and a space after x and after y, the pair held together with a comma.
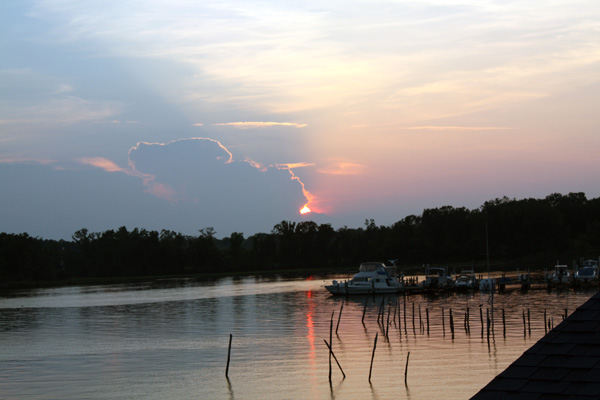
x: 564, y: 364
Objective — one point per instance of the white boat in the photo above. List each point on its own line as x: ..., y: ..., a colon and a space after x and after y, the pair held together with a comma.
x: 372, y: 278
x: 437, y: 278
x: 561, y: 274
x: 588, y: 271
x: 466, y: 280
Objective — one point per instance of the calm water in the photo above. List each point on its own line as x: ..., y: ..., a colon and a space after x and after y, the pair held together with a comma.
x: 169, y: 339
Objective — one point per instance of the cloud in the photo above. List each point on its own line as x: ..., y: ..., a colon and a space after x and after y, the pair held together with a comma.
x: 342, y: 168
x: 306, y: 56
x: 297, y: 165
x: 116, y: 121
x: 189, y: 184
x: 257, y: 124
x: 31, y: 98
x: 102, y: 163
x: 203, y: 171
x: 26, y: 160
x: 456, y: 128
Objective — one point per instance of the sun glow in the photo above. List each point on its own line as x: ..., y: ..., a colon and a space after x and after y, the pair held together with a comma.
x: 305, y: 210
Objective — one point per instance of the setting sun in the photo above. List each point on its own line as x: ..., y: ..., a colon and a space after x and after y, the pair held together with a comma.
x: 305, y: 210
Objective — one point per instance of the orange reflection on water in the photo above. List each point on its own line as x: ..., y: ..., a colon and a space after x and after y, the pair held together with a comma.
x: 310, y: 335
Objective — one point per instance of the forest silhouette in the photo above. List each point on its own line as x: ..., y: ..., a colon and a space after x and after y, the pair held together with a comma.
x: 527, y: 233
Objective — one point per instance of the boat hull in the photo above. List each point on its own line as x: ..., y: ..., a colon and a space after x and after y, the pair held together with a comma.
x: 353, y: 290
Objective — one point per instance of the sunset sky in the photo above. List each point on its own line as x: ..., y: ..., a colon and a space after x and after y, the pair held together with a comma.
x: 182, y: 115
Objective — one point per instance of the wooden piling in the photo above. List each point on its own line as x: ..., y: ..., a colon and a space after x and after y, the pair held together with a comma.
x: 529, y: 322
x: 364, y: 310
x: 387, y: 328
x: 524, y: 325
x: 399, y: 321
x: 406, y: 370
x: 481, y: 318
x: 451, y: 324
x: 413, y: 316
x: 339, y: 317
x: 487, y: 318
x: 228, y: 357
x: 427, y: 312
x: 335, y: 358
x: 468, y: 321
x: 405, y: 326
x: 545, y: 322
x: 420, y: 321
x: 443, y: 323
x: 503, y: 323
x: 331, y: 342
x: 373, y: 357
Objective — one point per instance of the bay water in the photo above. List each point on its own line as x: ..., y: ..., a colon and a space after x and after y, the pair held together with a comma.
x: 170, y: 339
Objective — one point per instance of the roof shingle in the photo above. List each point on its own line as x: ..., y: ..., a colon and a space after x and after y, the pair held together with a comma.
x: 563, y: 364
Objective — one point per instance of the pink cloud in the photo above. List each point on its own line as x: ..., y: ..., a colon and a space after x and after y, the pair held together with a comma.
x: 103, y: 163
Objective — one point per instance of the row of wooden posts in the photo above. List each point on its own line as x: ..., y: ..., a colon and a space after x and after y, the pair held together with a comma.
x: 424, y: 327
x: 548, y: 325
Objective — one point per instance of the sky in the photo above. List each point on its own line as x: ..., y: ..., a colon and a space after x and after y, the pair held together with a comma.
x: 237, y: 115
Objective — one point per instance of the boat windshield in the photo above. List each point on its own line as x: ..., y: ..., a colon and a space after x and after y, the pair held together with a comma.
x: 371, y: 267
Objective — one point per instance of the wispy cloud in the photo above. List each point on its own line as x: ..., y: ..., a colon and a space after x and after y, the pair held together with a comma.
x: 259, y: 124
x: 22, y: 160
x: 297, y: 165
x: 31, y: 98
x: 116, y: 121
x: 342, y: 168
x: 457, y: 128
x: 310, y: 56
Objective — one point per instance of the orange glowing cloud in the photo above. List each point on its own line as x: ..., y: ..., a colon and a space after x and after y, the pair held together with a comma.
x: 305, y: 210
x: 258, y: 124
x: 297, y: 165
x: 161, y: 190
x: 157, y: 189
x: 103, y: 163
x: 310, y: 198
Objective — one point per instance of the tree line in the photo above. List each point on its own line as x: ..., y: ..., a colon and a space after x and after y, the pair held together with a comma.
x: 527, y: 233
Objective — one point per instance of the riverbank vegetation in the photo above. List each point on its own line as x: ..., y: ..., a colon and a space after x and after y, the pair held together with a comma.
x: 523, y: 233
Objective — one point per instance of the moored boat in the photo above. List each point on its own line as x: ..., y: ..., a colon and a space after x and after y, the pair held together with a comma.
x: 561, y: 274
x: 467, y: 280
x: 372, y: 278
x: 588, y: 271
x: 437, y: 278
